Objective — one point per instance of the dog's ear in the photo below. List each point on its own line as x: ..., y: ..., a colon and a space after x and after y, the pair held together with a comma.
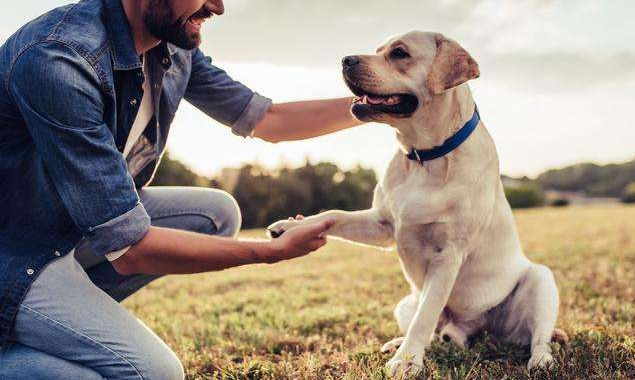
x: 451, y: 66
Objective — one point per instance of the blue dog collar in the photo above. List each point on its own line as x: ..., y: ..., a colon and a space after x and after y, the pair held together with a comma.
x: 450, y: 144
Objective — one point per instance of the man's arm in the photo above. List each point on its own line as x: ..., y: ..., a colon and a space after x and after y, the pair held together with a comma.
x: 306, y: 119
x: 222, y: 98
x: 168, y: 251
x: 59, y: 95
x: 214, y: 92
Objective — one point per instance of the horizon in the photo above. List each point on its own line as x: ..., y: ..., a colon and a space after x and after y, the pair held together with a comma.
x: 553, y: 91
x: 285, y: 165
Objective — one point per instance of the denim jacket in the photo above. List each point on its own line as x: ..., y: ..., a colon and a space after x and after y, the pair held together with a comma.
x: 70, y: 87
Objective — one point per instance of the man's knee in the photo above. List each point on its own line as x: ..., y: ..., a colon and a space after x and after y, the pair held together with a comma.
x: 162, y: 367
x: 224, y: 212
x: 146, y: 358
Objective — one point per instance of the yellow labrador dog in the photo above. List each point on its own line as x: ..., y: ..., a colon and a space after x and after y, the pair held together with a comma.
x: 442, y: 203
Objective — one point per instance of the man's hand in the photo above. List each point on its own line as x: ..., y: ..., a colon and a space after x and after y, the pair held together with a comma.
x: 299, y: 241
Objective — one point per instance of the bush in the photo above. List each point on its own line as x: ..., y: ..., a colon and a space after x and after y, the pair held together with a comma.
x: 525, y: 196
x: 267, y: 196
x: 172, y: 172
x: 628, y: 196
x: 560, y: 202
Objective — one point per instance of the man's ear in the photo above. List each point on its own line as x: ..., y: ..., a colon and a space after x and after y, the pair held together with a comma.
x: 451, y: 66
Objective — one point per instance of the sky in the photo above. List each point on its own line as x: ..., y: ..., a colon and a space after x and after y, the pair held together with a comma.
x: 557, y: 83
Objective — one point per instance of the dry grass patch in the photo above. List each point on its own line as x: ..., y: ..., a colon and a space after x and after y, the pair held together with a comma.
x: 325, y: 316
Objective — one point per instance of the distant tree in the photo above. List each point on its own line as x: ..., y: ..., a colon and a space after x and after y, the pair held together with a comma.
x: 595, y: 180
x: 265, y: 197
x: 174, y: 173
x: 628, y: 196
x: 525, y: 196
x: 560, y: 202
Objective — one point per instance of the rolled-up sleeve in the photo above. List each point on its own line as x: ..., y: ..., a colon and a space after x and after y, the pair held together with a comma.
x: 59, y: 96
x: 229, y: 102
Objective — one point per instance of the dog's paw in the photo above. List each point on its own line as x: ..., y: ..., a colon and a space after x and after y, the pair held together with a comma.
x: 392, y: 345
x: 451, y: 333
x: 276, y: 229
x: 404, y: 365
x: 542, y: 360
x: 560, y: 337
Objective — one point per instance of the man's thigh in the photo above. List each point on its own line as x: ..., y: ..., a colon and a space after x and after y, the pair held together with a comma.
x: 66, y: 316
x: 206, y: 211
x: 19, y: 362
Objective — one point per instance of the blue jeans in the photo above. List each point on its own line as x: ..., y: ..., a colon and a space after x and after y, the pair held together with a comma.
x: 57, y: 333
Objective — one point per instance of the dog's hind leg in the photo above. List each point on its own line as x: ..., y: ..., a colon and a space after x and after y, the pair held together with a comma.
x: 532, y: 314
x: 446, y: 329
x: 404, y: 312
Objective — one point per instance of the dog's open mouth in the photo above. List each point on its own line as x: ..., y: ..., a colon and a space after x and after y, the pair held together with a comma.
x: 402, y: 105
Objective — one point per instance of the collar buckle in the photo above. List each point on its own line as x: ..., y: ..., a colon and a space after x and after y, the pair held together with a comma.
x: 417, y: 156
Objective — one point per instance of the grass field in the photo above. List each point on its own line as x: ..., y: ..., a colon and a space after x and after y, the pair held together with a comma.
x: 325, y: 316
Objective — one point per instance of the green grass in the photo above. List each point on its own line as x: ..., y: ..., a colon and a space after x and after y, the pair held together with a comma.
x: 326, y: 315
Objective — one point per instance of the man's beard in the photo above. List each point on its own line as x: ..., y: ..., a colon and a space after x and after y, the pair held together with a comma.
x: 158, y: 19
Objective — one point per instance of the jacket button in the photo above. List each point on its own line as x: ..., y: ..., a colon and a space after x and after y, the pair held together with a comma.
x: 133, y: 102
x: 30, y: 272
x: 165, y: 61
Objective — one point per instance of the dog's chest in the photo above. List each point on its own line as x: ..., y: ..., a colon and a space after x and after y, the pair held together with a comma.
x: 408, y: 189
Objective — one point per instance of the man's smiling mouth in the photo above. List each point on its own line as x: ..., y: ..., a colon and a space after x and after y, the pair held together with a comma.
x: 197, y: 19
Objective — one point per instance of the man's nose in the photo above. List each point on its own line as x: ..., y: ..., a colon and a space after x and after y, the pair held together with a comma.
x: 350, y: 61
x: 215, y: 6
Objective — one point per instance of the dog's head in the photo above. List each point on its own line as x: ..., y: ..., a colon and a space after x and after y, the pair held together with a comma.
x: 404, y: 74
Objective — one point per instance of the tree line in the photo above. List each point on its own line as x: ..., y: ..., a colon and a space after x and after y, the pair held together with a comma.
x: 268, y: 195
x: 594, y: 180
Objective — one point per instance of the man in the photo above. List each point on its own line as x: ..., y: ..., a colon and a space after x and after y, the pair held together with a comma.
x: 87, y: 95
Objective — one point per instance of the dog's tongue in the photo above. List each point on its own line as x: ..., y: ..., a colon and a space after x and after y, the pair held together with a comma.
x: 376, y: 99
x: 385, y: 100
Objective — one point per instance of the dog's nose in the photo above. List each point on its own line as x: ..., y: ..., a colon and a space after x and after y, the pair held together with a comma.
x: 350, y: 61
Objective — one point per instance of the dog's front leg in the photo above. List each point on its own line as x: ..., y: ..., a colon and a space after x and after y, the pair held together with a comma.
x: 365, y: 227
x: 441, y: 274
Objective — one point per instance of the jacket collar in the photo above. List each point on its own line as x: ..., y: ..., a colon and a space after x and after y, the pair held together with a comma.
x: 172, y: 49
x: 124, y: 54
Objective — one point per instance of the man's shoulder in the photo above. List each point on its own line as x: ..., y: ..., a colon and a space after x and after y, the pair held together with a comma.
x: 83, y: 27
x: 79, y: 26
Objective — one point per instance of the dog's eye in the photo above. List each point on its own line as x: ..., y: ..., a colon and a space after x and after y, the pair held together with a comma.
x: 399, y: 53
